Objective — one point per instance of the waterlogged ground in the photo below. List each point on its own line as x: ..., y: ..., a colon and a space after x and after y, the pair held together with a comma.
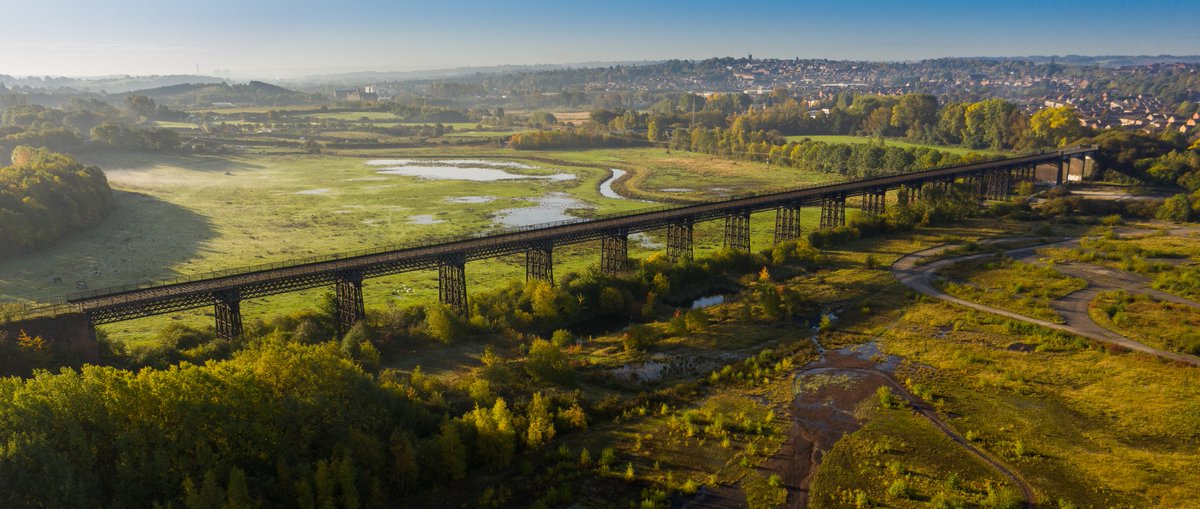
x: 189, y: 214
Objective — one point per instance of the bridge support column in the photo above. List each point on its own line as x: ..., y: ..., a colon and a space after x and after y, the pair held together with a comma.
x: 452, y: 282
x: 1059, y: 179
x: 787, y: 223
x: 348, y: 299
x: 833, y: 212
x: 679, y: 241
x: 873, y: 202
x: 1001, y: 184
x: 539, y: 262
x: 227, y: 308
x: 614, y: 252
x: 737, y: 231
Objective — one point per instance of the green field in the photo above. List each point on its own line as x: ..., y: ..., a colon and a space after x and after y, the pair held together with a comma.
x: 1161, y: 324
x: 834, y: 138
x: 354, y: 116
x: 180, y: 215
x: 1007, y: 284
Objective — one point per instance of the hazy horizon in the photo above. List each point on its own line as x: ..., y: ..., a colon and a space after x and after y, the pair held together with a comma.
x: 278, y: 39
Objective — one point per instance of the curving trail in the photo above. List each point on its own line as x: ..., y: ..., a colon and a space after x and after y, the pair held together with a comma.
x: 1073, y: 307
x: 822, y: 417
x: 922, y: 407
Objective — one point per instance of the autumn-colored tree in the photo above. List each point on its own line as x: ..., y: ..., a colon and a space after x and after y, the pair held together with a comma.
x: 541, y: 422
x: 1055, y: 126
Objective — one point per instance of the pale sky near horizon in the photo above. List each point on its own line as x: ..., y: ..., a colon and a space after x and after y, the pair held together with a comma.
x: 282, y: 38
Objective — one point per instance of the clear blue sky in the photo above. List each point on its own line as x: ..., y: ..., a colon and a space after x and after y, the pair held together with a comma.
x: 271, y: 38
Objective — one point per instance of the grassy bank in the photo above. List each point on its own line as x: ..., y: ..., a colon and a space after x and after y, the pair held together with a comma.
x: 1003, y: 283
x: 1161, y: 324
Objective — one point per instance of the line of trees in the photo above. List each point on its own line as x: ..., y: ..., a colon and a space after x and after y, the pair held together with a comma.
x: 45, y: 196
x: 570, y: 138
x: 81, y: 122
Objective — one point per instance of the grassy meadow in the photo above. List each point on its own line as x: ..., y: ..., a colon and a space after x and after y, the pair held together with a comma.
x: 1003, y: 283
x: 1167, y: 325
x: 180, y: 215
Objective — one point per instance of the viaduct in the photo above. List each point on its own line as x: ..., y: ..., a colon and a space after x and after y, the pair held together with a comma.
x: 345, y: 272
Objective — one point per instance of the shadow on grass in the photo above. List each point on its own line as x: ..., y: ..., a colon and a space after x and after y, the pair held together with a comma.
x: 145, y: 238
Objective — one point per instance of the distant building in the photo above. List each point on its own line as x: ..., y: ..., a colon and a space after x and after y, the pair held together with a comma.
x: 366, y: 93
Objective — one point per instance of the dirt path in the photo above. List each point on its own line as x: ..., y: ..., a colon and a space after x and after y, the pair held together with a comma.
x: 822, y: 415
x: 1073, y: 307
x: 922, y: 407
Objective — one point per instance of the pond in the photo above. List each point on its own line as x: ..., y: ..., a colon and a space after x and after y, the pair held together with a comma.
x: 549, y: 208
x: 423, y: 219
x: 470, y: 199
x: 475, y: 170
x: 708, y: 302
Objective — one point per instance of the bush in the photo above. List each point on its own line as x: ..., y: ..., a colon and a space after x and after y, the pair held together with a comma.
x: 562, y: 338
x: 638, y: 337
x: 442, y: 323
x: 1175, y: 209
x: 1002, y: 498
x: 546, y: 362
x: 900, y: 489
x: 887, y: 399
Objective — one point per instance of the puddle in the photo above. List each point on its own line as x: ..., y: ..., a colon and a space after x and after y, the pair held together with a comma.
x: 423, y: 219
x: 650, y: 371
x: 464, y: 169
x: 471, y: 199
x: 371, y: 222
x: 707, y: 301
x: 646, y: 241
x: 322, y: 190
x: 451, y: 162
x: 661, y: 367
x: 818, y: 379
x: 675, y: 190
x: 870, y: 351
x: 551, y: 207
x: 366, y: 179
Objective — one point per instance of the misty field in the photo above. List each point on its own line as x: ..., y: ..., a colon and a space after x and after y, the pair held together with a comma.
x: 188, y: 214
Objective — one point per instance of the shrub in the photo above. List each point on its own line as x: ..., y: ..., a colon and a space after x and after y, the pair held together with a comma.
x: 638, y: 337
x: 562, y: 338
x: 887, y: 399
x: 608, y: 456
x: 899, y: 489
x: 945, y: 500
x: 1002, y: 498
x: 546, y: 362
x: 1176, y: 209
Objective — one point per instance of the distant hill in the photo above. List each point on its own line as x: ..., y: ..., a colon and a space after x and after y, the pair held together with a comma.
x: 100, y: 84
x: 356, y: 78
x: 1112, y: 60
x: 255, y: 93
